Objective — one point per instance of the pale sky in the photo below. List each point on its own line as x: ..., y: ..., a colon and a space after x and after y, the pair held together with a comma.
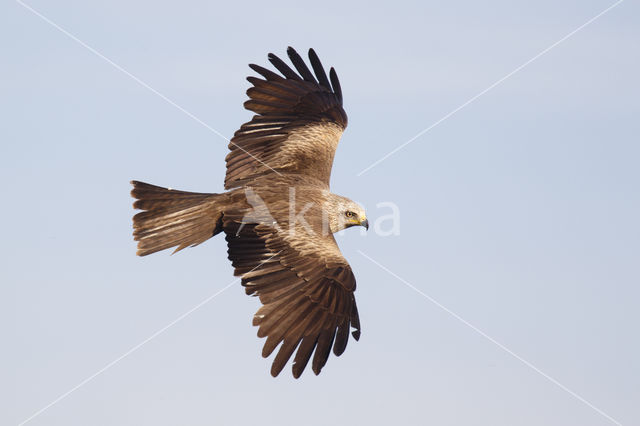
x: 519, y: 213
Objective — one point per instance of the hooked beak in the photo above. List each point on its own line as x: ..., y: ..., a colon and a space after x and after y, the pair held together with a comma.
x: 365, y: 223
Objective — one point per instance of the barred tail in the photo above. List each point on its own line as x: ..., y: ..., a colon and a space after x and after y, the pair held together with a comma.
x: 173, y: 218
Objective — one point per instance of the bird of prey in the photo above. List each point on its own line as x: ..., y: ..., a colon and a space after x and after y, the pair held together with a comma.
x: 278, y: 214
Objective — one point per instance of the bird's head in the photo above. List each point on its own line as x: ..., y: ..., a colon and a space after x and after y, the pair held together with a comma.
x: 344, y: 213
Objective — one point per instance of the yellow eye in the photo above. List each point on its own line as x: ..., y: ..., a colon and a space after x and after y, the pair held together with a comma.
x: 349, y: 214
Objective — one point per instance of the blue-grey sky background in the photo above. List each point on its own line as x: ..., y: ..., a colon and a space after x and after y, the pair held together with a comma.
x: 519, y: 213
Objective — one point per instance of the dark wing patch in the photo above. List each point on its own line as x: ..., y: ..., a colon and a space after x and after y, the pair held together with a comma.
x: 298, y: 124
x: 308, y: 302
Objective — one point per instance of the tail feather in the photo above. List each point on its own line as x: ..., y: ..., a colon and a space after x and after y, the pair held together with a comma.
x: 173, y: 218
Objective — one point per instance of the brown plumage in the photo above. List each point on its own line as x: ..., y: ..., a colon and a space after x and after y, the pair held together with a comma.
x: 278, y: 215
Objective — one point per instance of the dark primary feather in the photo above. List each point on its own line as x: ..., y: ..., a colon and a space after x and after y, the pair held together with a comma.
x: 283, y: 68
x: 268, y: 74
x: 335, y: 83
x: 300, y: 65
x: 319, y: 70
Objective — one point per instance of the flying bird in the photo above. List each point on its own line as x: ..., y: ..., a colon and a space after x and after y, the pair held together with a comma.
x: 278, y: 214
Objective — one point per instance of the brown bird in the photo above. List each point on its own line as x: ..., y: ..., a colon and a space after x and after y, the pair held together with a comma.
x: 278, y: 214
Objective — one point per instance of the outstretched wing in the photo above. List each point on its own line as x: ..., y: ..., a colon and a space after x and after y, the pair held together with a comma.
x: 306, y: 288
x: 298, y: 124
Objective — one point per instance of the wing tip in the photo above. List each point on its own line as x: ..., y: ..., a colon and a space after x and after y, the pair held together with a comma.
x: 356, y: 334
x: 332, y: 83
